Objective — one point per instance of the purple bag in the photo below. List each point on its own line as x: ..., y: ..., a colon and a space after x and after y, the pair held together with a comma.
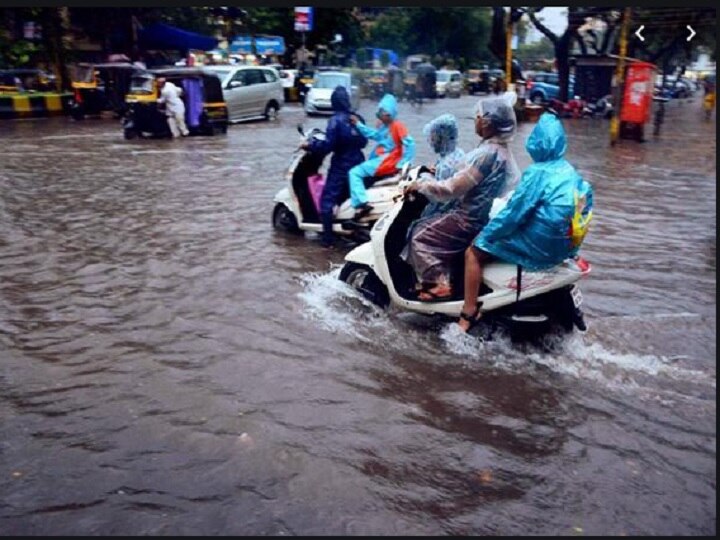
x: 316, y: 183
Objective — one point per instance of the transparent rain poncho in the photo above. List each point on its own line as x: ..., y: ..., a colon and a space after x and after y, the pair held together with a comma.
x: 489, y: 170
x: 442, y: 137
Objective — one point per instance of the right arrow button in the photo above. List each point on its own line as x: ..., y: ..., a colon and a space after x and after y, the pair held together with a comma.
x: 692, y: 33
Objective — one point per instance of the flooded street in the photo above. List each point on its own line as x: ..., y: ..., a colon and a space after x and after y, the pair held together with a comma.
x: 171, y: 365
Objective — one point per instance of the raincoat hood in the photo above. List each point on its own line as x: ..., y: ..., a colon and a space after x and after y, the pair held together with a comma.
x: 388, y: 103
x: 340, y: 100
x: 442, y: 134
x: 547, y: 141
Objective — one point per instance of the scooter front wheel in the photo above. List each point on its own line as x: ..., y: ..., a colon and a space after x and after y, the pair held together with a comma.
x: 363, y: 279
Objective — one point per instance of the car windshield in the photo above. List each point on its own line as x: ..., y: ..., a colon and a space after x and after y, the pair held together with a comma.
x: 221, y: 73
x: 141, y: 85
x: 443, y: 76
x: 330, y: 81
x: 83, y: 73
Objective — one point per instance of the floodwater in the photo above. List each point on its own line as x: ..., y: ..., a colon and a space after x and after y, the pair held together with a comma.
x: 171, y: 365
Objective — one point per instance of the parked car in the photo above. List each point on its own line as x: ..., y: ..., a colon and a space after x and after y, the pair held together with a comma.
x: 545, y: 86
x: 317, y: 100
x: 448, y: 83
x: 250, y: 91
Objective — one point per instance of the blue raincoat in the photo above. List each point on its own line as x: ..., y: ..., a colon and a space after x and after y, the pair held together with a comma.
x: 346, y: 143
x: 395, y: 147
x: 547, y: 216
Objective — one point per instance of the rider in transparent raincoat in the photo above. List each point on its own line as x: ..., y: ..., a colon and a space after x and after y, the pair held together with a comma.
x: 489, y: 171
x: 442, y: 136
x: 544, y: 221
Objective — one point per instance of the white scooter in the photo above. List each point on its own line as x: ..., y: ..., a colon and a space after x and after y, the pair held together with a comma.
x: 295, y: 210
x: 545, y: 301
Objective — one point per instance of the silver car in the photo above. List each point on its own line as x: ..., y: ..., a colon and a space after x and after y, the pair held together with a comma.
x: 250, y: 91
x: 317, y: 100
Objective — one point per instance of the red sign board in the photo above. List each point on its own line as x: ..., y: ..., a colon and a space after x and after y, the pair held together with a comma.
x: 638, y: 93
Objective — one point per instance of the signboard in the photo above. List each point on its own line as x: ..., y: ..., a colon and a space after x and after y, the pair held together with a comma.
x: 638, y: 93
x: 303, y: 19
x: 263, y: 45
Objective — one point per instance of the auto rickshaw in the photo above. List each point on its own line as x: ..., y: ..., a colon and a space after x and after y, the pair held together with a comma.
x: 206, y: 112
x: 100, y: 87
x: 303, y: 81
x: 425, y: 81
x: 478, y: 80
x: 377, y: 83
x: 13, y: 81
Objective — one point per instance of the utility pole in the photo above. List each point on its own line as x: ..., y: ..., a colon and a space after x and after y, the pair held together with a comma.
x: 508, y: 50
x: 619, y: 74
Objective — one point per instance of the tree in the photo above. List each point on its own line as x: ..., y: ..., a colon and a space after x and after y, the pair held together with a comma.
x: 561, y: 43
x: 498, y: 35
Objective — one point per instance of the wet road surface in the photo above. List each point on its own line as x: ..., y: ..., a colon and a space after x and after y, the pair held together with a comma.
x: 171, y: 365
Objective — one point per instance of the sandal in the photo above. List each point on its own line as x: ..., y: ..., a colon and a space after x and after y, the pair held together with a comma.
x: 434, y: 297
x: 473, y: 319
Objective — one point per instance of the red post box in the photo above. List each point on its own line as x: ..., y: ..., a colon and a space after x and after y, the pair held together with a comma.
x: 637, y: 99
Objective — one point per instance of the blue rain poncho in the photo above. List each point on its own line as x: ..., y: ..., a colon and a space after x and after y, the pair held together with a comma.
x: 395, y: 147
x: 546, y: 218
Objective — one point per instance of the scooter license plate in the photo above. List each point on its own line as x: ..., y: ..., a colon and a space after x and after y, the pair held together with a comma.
x: 576, y: 296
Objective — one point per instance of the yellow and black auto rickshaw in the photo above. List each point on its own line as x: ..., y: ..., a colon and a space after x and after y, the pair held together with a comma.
x: 206, y: 112
x: 100, y: 87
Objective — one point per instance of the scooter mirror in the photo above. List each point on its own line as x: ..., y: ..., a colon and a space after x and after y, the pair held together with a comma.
x: 300, y: 129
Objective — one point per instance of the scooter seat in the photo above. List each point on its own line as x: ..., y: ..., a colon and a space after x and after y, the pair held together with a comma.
x: 382, y: 180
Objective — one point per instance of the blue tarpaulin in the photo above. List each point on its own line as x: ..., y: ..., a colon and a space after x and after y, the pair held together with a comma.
x: 263, y: 45
x: 164, y: 36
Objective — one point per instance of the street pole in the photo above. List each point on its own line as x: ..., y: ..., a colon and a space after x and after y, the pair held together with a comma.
x: 619, y: 73
x: 508, y: 51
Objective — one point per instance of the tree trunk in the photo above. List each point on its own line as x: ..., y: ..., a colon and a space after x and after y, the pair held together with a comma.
x: 562, y: 55
x: 52, y: 39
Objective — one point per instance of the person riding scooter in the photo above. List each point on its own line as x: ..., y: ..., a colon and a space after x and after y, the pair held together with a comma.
x: 395, y: 147
x: 543, y: 223
x: 346, y: 143
x: 489, y: 172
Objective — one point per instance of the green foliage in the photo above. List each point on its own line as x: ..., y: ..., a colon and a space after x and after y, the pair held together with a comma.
x: 17, y: 53
x: 542, y: 49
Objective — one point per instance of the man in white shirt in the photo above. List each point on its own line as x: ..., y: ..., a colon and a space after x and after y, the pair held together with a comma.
x: 174, y: 107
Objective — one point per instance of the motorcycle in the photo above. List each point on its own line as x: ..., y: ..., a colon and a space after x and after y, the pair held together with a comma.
x: 296, y: 210
x: 602, y: 108
x: 526, y: 304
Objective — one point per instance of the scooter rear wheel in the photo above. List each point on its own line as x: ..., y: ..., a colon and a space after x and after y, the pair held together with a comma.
x: 283, y: 219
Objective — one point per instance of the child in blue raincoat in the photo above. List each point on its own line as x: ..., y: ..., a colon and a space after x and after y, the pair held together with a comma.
x: 395, y: 147
x: 544, y: 221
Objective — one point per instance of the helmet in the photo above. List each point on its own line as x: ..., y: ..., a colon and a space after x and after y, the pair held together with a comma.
x: 500, y: 112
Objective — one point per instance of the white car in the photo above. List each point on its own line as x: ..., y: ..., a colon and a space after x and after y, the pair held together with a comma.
x: 448, y: 83
x: 317, y: 100
x: 250, y: 91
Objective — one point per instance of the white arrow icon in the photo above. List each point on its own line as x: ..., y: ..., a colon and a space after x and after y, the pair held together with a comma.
x: 637, y: 33
x: 692, y: 32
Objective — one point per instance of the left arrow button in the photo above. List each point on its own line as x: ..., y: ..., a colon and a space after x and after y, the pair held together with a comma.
x: 637, y: 33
